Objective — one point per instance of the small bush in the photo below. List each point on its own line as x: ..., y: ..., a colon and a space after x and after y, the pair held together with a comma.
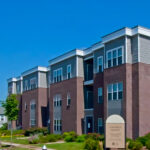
x: 81, y: 138
x: 34, y: 131
x: 135, y: 145
x: 147, y: 144
x: 95, y: 136
x: 50, y: 138
x: 142, y: 139
x: 91, y: 144
x: 34, y: 140
x: 70, y: 136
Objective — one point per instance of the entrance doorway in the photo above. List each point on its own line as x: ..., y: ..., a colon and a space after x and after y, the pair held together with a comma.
x: 89, y: 124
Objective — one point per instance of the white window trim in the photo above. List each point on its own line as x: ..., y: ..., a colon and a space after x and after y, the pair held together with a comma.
x: 70, y: 71
x: 98, y: 63
x: 111, y: 50
x: 112, y: 91
x: 56, y: 70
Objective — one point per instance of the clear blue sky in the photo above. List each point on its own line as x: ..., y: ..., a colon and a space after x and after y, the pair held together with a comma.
x: 34, y: 31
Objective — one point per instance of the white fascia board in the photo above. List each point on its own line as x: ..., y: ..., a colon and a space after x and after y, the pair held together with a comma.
x: 36, y: 69
x: 11, y: 80
x: 126, y: 31
x: 117, y: 34
x: 65, y: 56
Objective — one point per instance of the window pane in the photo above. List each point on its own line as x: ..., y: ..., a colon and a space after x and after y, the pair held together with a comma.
x: 114, y: 54
x: 120, y: 95
x: 120, y: 60
x: 120, y: 86
x: 109, y: 55
x: 119, y: 52
x: 109, y: 63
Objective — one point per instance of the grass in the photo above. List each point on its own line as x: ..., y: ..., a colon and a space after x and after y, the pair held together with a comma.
x: 13, y: 148
x: 15, y: 140
x: 65, y: 146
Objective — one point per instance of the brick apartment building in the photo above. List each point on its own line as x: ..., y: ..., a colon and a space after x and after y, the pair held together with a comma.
x: 81, y: 88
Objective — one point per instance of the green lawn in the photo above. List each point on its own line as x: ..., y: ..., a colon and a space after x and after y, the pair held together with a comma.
x: 15, y: 140
x: 65, y: 146
x: 13, y: 148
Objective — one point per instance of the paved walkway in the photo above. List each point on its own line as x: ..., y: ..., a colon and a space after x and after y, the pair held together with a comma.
x: 29, y: 147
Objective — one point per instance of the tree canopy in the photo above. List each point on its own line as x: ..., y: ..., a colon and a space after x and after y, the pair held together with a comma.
x: 11, y: 107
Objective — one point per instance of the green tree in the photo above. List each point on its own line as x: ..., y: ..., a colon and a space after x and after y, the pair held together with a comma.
x: 11, y: 109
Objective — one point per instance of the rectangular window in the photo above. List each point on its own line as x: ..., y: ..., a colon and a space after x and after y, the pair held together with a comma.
x: 68, y: 71
x: 100, y: 124
x: 110, y: 90
x: 68, y: 99
x: 100, y: 95
x: 57, y: 75
x: 119, y: 56
x: 115, y: 91
x: 33, y: 83
x: 57, y: 101
x: 109, y: 59
x: 115, y: 57
x: 100, y: 64
x: 32, y: 113
x: 57, y: 125
x: 26, y: 85
x: 120, y: 90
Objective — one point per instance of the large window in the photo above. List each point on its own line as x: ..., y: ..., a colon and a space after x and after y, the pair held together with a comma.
x: 100, y: 95
x: 68, y: 71
x: 32, y: 113
x: 115, y: 57
x: 100, y: 64
x: 57, y: 125
x: 57, y: 75
x: 115, y: 91
x: 33, y: 83
x: 57, y: 100
x: 100, y: 124
x: 26, y: 85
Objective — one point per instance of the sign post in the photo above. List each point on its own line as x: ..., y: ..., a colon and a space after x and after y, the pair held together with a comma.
x: 115, y: 132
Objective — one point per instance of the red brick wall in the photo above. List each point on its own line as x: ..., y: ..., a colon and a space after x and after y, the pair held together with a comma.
x: 72, y: 116
x: 40, y: 97
x: 98, y: 108
x: 144, y: 98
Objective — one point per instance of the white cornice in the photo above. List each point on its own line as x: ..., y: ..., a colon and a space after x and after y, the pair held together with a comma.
x: 36, y: 69
x: 126, y: 31
x: 72, y: 53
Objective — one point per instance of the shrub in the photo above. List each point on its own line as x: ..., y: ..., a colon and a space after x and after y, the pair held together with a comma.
x: 70, y: 136
x: 50, y: 138
x: 81, y: 138
x: 91, y: 144
x: 135, y: 145
x: 34, y: 140
x: 142, y: 139
x: 95, y: 136
x: 147, y: 144
x: 34, y: 131
x: 4, y: 126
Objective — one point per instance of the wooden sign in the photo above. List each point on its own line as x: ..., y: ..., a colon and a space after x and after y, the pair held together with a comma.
x: 115, y: 132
